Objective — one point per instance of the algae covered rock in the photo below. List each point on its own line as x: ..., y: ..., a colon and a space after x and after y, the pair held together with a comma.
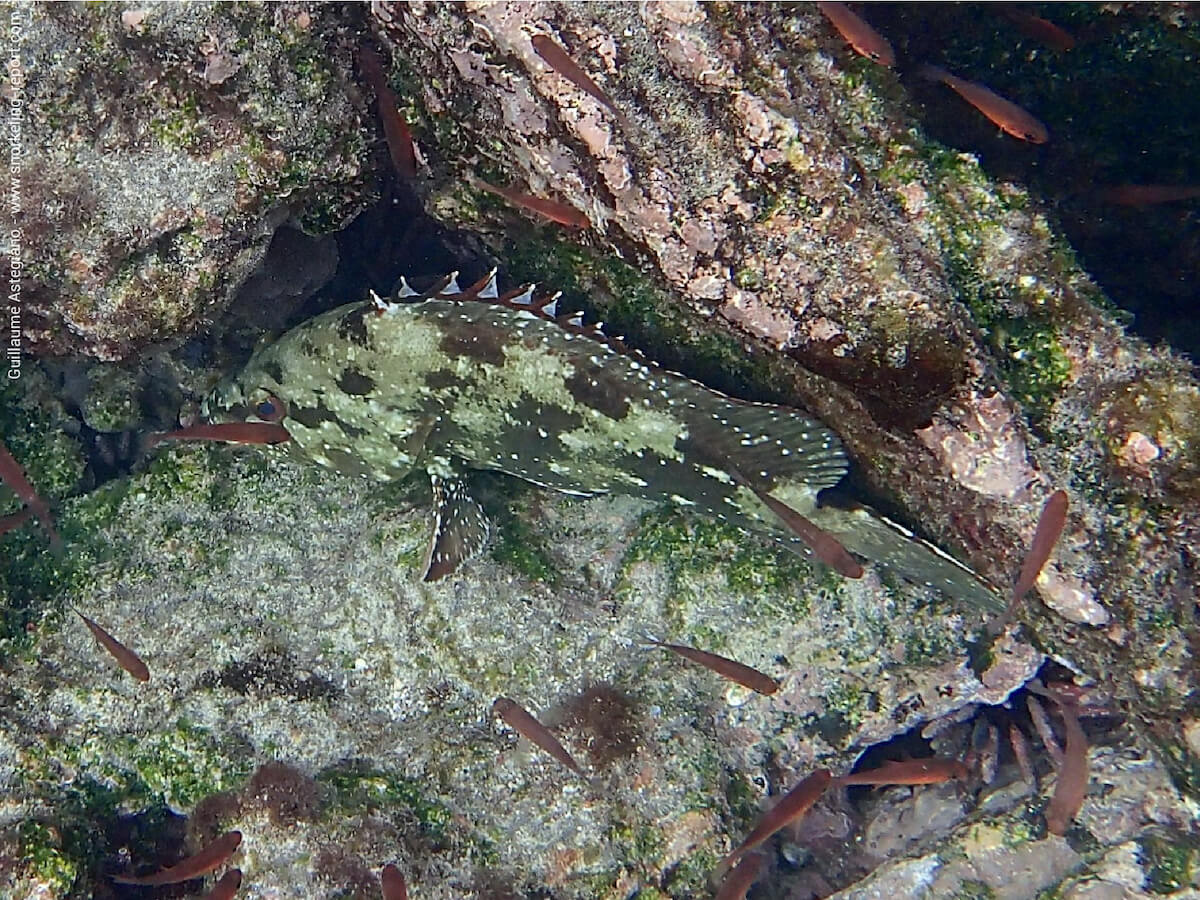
x: 162, y: 145
x: 770, y: 220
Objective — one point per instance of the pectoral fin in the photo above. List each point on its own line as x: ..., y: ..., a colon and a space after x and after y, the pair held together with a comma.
x: 460, y: 528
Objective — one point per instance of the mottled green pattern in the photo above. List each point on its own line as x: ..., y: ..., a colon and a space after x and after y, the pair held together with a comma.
x: 444, y: 384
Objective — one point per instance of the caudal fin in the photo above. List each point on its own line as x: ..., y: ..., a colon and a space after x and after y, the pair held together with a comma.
x: 891, y: 545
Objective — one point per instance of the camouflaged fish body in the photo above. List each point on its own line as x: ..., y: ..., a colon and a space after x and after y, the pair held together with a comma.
x: 451, y: 380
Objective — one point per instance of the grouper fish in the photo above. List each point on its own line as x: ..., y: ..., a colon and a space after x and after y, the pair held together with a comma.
x: 451, y: 379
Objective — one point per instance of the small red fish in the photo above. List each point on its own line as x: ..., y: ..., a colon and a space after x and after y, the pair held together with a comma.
x: 226, y: 887
x: 395, y: 127
x: 795, y: 803
x: 1010, y: 117
x: 1072, y: 775
x: 126, y: 658
x: 1149, y: 194
x: 1039, y: 29
x: 1049, y: 528
x: 392, y: 883
x: 237, y: 432
x: 211, y: 857
x: 13, y: 475
x: 532, y: 730
x: 738, y: 881
x: 561, y: 213
x: 932, y: 770
x: 727, y: 668
x: 865, y: 40
x: 560, y: 61
x: 827, y: 548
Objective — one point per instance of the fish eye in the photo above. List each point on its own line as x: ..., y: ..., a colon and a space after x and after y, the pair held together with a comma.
x: 272, y: 409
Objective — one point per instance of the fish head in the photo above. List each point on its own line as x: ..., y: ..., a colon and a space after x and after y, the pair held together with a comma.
x: 250, y: 396
x: 348, y: 398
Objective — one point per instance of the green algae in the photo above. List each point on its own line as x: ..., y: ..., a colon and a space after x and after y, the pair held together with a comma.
x: 707, y: 560
x: 32, y: 578
x: 1034, y: 361
x: 637, y: 843
x: 84, y: 789
x: 741, y: 798
x: 1169, y: 861
x: 973, y: 889
x: 45, y: 858
x: 177, y: 766
x: 358, y: 788
x: 845, y: 708
x: 690, y: 877
x: 516, y: 541
x: 966, y: 213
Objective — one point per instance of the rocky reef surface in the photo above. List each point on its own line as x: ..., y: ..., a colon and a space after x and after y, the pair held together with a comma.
x: 771, y: 220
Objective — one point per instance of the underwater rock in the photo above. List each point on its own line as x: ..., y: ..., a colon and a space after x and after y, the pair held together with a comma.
x: 151, y: 186
x: 803, y: 243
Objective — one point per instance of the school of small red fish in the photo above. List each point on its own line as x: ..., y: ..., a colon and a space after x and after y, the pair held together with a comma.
x: 738, y: 871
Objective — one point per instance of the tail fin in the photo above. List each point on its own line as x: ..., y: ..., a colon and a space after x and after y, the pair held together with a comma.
x: 891, y: 545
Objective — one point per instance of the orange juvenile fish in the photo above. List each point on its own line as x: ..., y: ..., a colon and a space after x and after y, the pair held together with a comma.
x: 227, y: 886
x: 727, y: 668
x: 392, y: 883
x: 865, y: 40
x: 795, y: 803
x: 561, y: 213
x: 1010, y: 117
x: 827, y: 548
x: 211, y: 857
x: 1040, y: 29
x: 1072, y: 775
x: 126, y: 658
x: 531, y: 729
x: 738, y: 881
x: 1049, y: 528
x: 910, y: 771
x: 237, y: 432
x: 560, y: 61
x: 13, y: 475
x: 1149, y: 194
x: 395, y: 128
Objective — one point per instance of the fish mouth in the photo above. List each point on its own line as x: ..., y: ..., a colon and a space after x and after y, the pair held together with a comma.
x: 225, y: 404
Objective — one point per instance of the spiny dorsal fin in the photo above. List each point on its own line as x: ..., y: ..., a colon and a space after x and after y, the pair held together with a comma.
x: 524, y: 299
x: 460, y: 528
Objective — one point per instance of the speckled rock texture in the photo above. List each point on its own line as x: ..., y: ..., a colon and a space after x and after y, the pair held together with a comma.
x: 164, y: 144
x: 771, y: 220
